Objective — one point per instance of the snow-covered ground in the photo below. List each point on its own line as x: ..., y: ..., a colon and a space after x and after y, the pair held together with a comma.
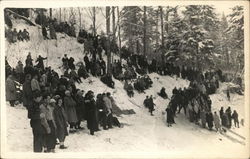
x: 141, y: 132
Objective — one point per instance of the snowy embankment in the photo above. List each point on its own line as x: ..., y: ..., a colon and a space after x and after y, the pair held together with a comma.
x: 141, y: 132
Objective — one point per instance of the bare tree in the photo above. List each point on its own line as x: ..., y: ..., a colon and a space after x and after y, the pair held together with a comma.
x: 119, y: 33
x: 108, y: 39
x: 145, y: 31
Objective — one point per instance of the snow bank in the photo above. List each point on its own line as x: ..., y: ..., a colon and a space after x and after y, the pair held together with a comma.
x: 141, y: 132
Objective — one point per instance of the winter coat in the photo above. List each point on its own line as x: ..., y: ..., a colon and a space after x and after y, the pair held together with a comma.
x: 90, y: 106
x: 210, y: 119
x: 217, y: 121
x: 235, y: 117
x: 19, y: 68
x: 27, y: 94
x: 70, y: 110
x: 60, y: 119
x: 151, y: 103
x: 203, y: 118
x: 35, y: 85
x: 80, y: 107
x: 170, y: 116
x: 52, y: 31
x: 225, y: 120
x: 11, y: 90
x: 108, y: 105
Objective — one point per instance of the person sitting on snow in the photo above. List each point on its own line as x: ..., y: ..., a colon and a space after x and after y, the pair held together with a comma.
x: 162, y: 93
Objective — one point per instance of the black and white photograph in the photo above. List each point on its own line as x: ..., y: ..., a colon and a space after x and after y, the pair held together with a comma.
x: 125, y: 80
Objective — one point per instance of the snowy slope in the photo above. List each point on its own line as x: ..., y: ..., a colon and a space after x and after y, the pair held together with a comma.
x: 141, y: 132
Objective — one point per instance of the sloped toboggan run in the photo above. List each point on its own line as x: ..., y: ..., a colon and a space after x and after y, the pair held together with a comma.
x: 140, y: 132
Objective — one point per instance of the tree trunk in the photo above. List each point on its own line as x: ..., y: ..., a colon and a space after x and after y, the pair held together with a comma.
x: 50, y: 13
x: 60, y: 15
x: 119, y: 34
x: 157, y: 39
x: 94, y: 20
x: 80, y: 17
x: 145, y: 31
x: 162, y: 27
x: 162, y: 36
x: 167, y: 15
x: 108, y: 40
x: 113, y: 27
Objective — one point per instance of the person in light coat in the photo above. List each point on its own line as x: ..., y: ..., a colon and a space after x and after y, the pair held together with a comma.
x: 108, y: 111
x: 217, y: 122
x: 35, y: 84
x: 11, y: 90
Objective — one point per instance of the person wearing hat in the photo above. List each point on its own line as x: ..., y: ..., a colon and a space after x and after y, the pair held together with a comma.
x: 69, y: 105
x: 90, y: 106
x: 60, y: 119
x: 46, y: 110
x: 37, y: 122
x: 51, y: 138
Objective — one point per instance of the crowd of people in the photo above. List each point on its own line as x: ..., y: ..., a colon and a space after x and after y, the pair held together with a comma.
x: 53, y: 103
x: 197, y: 107
x: 13, y: 36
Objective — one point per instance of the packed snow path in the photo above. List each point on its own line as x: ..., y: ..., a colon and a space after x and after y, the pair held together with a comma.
x: 141, y: 132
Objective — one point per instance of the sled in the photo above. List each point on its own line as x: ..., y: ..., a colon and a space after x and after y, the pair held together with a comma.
x: 134, y: 103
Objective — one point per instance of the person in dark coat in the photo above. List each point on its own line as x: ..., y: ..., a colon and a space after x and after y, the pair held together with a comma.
x: 229, y: 114
x: 90, y: 106
x: 203, y: 118
x: 210, y: 120
x: 87, y: 62
x: 228, y: 94
x: 52, y: 31
x: 107, y: 79
x: 38, y: 129
x: 146, y: 102
x: 221, y: 112
x: 27, y: 92
x: 29, y: 60
x: 65, y: 61
x: 26, y: 35
x: 163, y: 94
x: 40, y: 62
x: 151, y: 105
x: 44, y: 32
x: 80, y: 108
x: 235, y: 118
x: 82, y: 72
x: 70, y: 110
x: 71, y: 63
x: 60, y: 119
x: 170, y: 116
x: 225, y: 120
